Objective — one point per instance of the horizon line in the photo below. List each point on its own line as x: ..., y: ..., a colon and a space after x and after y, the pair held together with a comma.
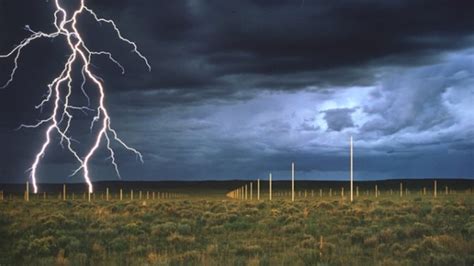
x: 243, y: 180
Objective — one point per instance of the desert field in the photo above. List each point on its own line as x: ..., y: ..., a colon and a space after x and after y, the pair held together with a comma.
x: 208, y: 228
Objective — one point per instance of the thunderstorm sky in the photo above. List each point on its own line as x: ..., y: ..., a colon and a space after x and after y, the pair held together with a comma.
x: 241, y: 88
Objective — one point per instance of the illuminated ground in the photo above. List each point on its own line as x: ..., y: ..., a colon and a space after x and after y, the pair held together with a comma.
x: 209, y: 229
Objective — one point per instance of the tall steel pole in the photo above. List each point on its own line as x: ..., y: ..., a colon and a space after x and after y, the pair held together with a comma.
x: 352, y: 173
x: 292, y: 181
x: 270, y: 186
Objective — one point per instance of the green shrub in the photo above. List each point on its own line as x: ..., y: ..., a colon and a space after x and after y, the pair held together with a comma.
x: 325, y: 205
x: 237, y: 224
x: 186, y: 258
x: 45, y: 246
x: 119, y: 244
x: 469, y: 229
x: 164, y: 229
x: 386, y: 203
x: 444, y: 259
x: 292, y: 228
x: 418, y: 230
x: 358, y: 235
x: 251, y: 250
x: 309, y: 256
x: 133, y: 229
x: 184, y: 229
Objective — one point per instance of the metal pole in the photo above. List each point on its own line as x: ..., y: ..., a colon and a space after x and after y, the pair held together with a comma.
x: 352, y: 175
x: 270, y: 186
x: 293, y: 181
x: 27, y: 195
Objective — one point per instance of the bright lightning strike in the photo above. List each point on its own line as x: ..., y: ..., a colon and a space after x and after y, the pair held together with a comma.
x: 60, y: 90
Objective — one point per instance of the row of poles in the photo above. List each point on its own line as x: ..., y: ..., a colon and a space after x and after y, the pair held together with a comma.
x: 148, y: 195
x: 241, y: 192
x: 245, y: 192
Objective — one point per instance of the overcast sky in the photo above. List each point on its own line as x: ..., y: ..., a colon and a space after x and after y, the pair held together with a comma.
x: 242, y: 88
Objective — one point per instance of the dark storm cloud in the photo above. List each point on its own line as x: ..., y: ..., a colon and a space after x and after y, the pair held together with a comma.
x: 206, y: 43
x: 240, y: 87
x: 338, y: 119
x: 209, y: 45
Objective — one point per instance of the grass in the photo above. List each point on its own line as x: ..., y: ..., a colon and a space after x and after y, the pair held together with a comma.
x: 388, y: 230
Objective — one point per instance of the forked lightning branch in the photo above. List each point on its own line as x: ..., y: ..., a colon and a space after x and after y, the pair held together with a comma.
x: 60, y: 90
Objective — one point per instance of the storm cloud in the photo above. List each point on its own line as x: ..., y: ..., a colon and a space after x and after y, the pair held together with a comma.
x: 338, y: 119
x: 241, y: 88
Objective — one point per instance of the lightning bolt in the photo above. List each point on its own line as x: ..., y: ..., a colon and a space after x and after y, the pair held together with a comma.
x: 60, y: 90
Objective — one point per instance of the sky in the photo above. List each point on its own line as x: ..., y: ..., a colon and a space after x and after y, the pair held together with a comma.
x: 239, y: 89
